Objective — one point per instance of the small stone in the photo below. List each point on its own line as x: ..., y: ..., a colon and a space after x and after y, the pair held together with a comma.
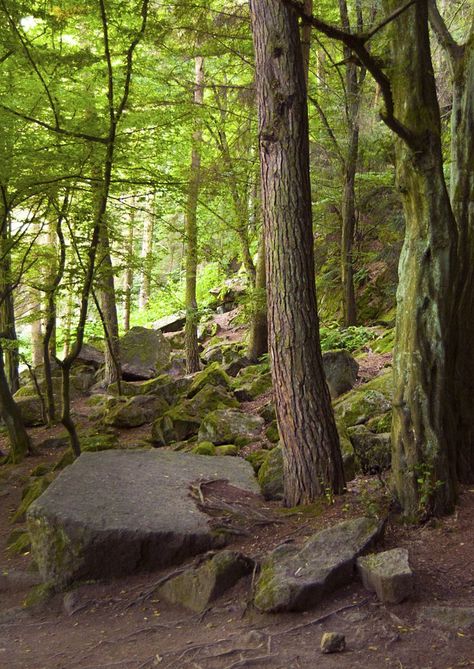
x: 332, y: 642
x: 388, y: 574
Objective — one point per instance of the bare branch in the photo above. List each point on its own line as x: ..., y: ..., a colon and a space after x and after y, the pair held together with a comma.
x: 444, y: 37
x: 53, y: 128
x: 388, y: 19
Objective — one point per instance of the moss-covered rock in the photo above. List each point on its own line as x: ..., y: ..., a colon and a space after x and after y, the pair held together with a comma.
x: 135, y: 411
x: 205, y: 448
x: 257, y: 458
x: 197, y: 587
x: 380, y: 424
x: 212, y: 375
x: 267, y: 412
x: 368, y: 400
x: 340, y: 369
x: 272, y: 433
x: 373, y: 451
x: 225, y: 426
x: 143, y: 353
x: 182, y: 421
x: 34, y: 488
x: 270, y: 475
x: 31, y: 410
x: 19, y: 542
x: 227, y: 449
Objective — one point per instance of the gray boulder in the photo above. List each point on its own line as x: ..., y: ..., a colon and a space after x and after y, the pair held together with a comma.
x: 143, y: 353
x: 373, y: 452
x: 90, y: 355
x: 227, y: 426
x: 197, y: 587
x: 118, y: 512
x: 388, y: 574
x: 171, y: 323
x: 31, y: 410
x: 341, y: 371
x: 135, y: 411
x: 297, y: 579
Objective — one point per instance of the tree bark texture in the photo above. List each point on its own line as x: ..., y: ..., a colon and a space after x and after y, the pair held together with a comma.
x: 312, y: 458
x: 423, y: 461
x: 190, y: 332
x: 7, y: 309
x: 462, y: 199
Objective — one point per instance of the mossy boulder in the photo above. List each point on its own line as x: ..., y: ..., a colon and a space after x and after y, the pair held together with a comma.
x: 366, y: 401
x: 143, y: 353
x: 212, y: 375
x: 197, y: 587
x: 257, y: 458
x: 204, y: 448
x: 380, y: 424
x: 225, y: 426
x: 267, y: 412
x: 270, y: 474
x: 296, y: 578
x: 135, y: 411
x: 182, y: 421
x: 340, y: 369
x: 373, y: 452
x: 253, y: 381
x: 227, y: 449
x: 272, y: 433
x: 33, y: 489
x: 31, y: 410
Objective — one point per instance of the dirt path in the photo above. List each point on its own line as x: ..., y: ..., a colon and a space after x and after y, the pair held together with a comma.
x: 123, y: 625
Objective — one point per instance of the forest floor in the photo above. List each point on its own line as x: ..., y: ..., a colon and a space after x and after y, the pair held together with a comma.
x: 123, y: 625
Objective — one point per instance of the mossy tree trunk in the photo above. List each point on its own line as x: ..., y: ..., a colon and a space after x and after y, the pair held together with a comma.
x: 424, y: 460
x: 191, y: 235
x: 19, y: 439
x: 7, y: 309
x: 461, y: 62
x: 128, y: 273
x: 258, y: 336
x: 312, y: 457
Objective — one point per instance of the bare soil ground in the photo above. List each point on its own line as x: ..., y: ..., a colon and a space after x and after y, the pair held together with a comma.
x: 123, y: 624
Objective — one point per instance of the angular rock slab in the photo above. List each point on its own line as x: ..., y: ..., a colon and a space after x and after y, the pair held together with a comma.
x: 116, y: 512
x: 296, y: 579
x: 388, y: 574
x: 197, y: 587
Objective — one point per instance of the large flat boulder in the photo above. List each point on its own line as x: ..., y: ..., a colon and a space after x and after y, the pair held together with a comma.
x: 297, y: 579
x: 144, y: 353
x: 118, y: 512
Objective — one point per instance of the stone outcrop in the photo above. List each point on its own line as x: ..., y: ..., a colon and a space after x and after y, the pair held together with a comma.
x: 118, y: 512
x: 297, y: 579
x: 388, y: 574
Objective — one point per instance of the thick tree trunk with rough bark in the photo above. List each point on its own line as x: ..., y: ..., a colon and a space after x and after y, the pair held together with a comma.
x: 424, y: 460
x: 7, y: 310
x: 190, y: 332
x: 462, y: 199
x: 312, y: 458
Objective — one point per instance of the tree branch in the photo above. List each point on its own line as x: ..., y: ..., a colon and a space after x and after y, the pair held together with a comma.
x: 444, y: 37
x: 388, y: 19
x: 357, y: 44
x: 53, y: 128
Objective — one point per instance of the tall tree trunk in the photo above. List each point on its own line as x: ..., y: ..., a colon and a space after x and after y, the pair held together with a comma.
x: 190, y: 332
x: 258, y: 338
x: 306, y: 40
x: 20, y: 443
x: 108, y: 305
x: 424, y: 461
x: 353, y: 93
x: 7, y: 309
x: 462, y: 199
x: 128, y: 274
x: 312, y: 457
x: 36, y: 327
x: 147, y: 260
